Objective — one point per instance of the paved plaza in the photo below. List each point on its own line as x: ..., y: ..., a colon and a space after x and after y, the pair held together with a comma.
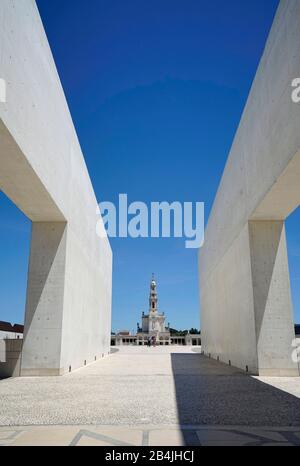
x: 151, y: 396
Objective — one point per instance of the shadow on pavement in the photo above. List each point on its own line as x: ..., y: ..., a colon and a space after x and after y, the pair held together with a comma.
x: 209, y: 393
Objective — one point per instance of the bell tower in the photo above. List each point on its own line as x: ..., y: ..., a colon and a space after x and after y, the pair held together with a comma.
x: 153, y: 297
x: 153, y: 324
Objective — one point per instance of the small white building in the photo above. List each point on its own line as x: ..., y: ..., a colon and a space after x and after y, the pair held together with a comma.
x: 11, y: 332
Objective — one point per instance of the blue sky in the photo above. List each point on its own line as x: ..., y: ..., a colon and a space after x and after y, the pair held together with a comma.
x: 156, y: 90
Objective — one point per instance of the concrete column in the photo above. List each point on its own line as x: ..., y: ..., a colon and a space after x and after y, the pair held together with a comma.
x: 41, y: 353
x: 272, y: 302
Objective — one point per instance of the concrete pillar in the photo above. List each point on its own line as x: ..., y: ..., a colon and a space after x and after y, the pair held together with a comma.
x: 41, y: 353
x: 272, y: 302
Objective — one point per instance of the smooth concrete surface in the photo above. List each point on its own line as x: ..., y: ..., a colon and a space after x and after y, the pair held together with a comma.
x: 272, y: 298
x: 42, y: 170
x: 246, y: 311
x: 162, y: 386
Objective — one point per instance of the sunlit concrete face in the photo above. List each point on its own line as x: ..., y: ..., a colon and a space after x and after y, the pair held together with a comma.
x: 246, y: 309
x: 42, y: 170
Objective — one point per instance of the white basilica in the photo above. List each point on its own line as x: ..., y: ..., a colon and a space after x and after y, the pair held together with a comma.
x: 153, y: 324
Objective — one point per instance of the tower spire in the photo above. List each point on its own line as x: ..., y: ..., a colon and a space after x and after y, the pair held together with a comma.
x: 153, y: 296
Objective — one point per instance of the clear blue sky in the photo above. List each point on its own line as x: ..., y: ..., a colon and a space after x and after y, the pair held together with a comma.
x: 156, y: 90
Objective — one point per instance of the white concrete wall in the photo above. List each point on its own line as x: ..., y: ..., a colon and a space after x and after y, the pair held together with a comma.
x: 260, y: 183
x: 44, y: 173
x: 227, y: 319
x: 10, y: 358
x: 273, y: 310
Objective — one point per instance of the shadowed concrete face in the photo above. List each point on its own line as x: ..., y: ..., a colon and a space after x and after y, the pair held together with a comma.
x: 244, y: 278
x: 42, y: 170
x: 272, y: 299
x: 45, y: 299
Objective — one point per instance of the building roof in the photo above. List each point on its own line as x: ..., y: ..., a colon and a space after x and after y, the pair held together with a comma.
x: 8, y: 327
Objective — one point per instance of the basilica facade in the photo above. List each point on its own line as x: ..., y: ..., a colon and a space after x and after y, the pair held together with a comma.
x: 153, y: 324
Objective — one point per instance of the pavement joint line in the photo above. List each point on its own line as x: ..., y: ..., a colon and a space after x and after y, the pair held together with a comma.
x: 145, y: 441
x: 101, y: 437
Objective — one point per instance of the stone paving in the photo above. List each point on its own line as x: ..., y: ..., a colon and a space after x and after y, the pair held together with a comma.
x: 158, y: 436
x: 152, y: 396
